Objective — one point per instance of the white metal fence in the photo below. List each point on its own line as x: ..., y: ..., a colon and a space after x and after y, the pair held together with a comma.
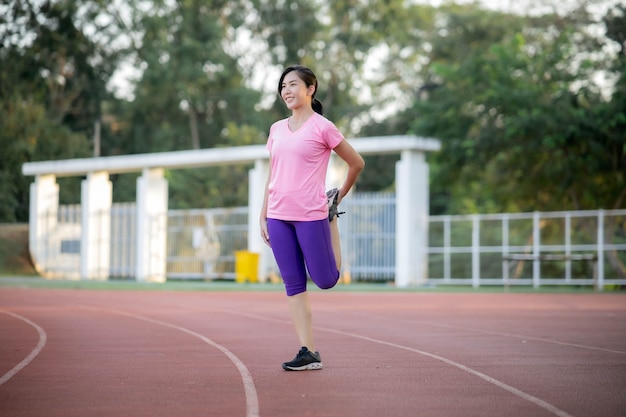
x: 368, y: 237
x: 542, y: 248
x: 202, y: 243
x: 123, y: 233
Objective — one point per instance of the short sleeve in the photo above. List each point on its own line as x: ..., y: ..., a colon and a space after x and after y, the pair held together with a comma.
x: 270, y: 138
x: 332, y: 135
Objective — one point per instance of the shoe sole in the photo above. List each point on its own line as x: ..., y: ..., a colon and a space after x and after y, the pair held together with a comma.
x: 310, y: 367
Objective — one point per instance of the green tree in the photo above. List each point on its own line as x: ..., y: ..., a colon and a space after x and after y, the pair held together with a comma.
x: 221, y: 186
x: 190, y: 92
x: 611, y: 115
x: 518, y: 116
x: 52, y: 78
x: 512, y: 97
x: 190, y: 86
x: 364, y: 54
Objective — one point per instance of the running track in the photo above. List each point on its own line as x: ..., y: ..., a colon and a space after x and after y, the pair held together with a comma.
x: 91, y: 353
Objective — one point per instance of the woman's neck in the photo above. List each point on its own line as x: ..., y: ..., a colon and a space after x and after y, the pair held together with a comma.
x: 301, y: 114
x: 299, y: 117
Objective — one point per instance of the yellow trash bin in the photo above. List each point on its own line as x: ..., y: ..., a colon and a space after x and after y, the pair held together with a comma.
x: 246, y: 266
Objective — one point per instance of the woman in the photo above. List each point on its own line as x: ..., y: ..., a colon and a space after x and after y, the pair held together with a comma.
x: 298, y: 219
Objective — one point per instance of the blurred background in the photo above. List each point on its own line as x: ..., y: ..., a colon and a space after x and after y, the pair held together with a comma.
x: 527, y: 97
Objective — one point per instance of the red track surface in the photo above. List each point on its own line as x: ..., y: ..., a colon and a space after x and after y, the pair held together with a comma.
x: 130, y: 353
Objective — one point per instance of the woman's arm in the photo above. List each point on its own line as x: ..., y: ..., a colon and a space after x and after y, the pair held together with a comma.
x: 263, y: 217
x: 355, y: 166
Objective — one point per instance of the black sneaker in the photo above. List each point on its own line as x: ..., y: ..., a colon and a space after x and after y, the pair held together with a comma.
x: 333, y: 196
x: 304, y: 360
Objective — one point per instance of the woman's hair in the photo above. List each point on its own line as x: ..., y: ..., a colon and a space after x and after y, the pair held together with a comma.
x: 309, y: 78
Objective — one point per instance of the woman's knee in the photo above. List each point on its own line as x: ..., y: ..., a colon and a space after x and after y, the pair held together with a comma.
x: 327, y: 284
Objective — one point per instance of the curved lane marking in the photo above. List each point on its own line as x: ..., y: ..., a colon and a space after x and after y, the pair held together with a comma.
x: 537, y: 401
x: 535, y: 338
x: 525, y: 396
x: 252, y: 399
x: 40, y: 344
x: 496, y: 333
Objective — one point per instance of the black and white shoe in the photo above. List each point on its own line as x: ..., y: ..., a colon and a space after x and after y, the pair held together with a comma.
x: 304, y: 360
x: 333, y: 196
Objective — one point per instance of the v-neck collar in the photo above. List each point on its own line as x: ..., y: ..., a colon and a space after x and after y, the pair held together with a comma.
x: 301, y: 125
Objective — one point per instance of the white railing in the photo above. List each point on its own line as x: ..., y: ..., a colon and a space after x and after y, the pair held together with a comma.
x: 368, y: 236
x: 202, y: 243
x: 123, y: 240
x: 574, y: 248
x: 540, y: 248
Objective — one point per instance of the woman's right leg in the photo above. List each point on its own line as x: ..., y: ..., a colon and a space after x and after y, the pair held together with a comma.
x: 300, y: 310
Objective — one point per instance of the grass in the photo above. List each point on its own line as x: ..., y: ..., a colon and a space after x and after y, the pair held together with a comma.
x: 20, y: 281
x: 14, y: 254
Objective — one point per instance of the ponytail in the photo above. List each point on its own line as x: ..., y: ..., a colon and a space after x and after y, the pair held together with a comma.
x: 317, y: 106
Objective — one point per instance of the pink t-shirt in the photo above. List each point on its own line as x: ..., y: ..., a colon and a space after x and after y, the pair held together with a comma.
x: 299, y: 161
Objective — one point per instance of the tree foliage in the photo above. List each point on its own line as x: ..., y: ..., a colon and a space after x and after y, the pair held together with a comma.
x: 51, y: 81
x: 523, y: 124
x: 518, y: 101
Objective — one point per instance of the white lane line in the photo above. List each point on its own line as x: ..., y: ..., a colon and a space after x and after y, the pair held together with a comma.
x: 538, y: 339
x: 496, y: 333
x: 252, y: 399
x: 537, y: 401
x: 525, y: 396
x: 40, y: 344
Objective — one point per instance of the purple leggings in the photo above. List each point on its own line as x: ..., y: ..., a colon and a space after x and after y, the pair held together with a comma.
x: 302, y: 246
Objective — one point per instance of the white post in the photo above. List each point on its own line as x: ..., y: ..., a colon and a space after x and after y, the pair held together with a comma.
x: 568, y: 247
x: 257, y: 177
x: 475, y: 251
x: 600, y: 262
x: 151, y: 226
x: 447, y: 254
x: 411, y: 219
x: 44, y: 208
x: 95, y: 243
x: 536, y: 250
x: 505, y: 250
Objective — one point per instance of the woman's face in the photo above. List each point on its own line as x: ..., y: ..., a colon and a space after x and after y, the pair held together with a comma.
x: 294, y: 91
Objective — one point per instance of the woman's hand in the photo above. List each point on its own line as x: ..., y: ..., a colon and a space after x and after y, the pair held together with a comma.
x: 264, y: 232
x: 340, y: 196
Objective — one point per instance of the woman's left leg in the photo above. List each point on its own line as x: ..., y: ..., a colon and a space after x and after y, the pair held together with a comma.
x: 334, y: 238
